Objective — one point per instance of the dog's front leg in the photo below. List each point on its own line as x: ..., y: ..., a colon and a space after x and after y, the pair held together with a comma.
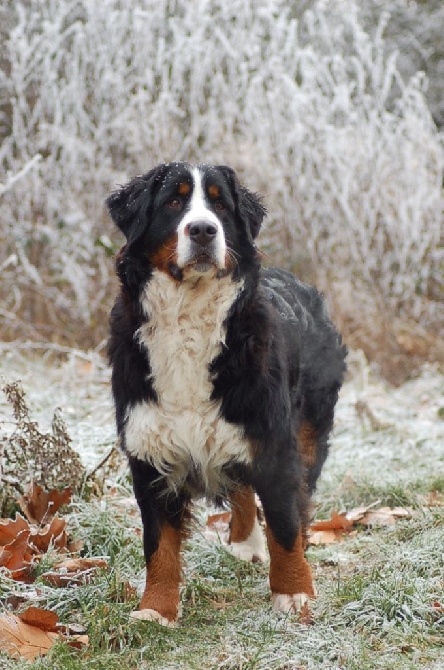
x: 291, y: 581
x: 164, y: 520
x: 285, y: 504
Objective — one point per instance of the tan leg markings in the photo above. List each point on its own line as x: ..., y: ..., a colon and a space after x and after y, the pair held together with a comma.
x: 307, y: 444
x: 244, y: 514
x: 160, y: 601
x: 291, y: 581
x: 246, y: 536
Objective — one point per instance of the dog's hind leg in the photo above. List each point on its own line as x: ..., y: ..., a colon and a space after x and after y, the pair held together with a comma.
x: 246, y: 537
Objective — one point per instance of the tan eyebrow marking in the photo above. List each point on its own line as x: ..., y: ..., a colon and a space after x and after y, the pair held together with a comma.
x: 184, y: 188
x: 214, y: 191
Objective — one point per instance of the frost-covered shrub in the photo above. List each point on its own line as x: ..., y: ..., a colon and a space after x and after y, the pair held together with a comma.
x: 416, y: 31
x: 298, y: 97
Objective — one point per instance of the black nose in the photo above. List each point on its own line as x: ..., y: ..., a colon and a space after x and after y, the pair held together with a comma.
x: 202, y: 232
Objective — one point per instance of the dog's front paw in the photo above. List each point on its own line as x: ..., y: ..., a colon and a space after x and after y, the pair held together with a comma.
x: 152, y: 615
x: 295, y: 603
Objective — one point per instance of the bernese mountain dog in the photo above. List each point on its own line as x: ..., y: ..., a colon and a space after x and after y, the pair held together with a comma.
x: 225, y: 377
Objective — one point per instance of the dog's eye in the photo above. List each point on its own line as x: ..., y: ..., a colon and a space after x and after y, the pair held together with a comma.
x: 175, y: 203
x: 219, y: 206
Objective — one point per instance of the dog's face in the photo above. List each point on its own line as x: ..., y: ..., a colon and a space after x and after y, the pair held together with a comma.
x: 187, y: 220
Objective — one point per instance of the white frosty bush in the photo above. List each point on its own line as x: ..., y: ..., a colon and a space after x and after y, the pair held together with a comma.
x: 307, y: 105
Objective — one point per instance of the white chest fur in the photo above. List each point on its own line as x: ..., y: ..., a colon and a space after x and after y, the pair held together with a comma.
x: 183, y: 432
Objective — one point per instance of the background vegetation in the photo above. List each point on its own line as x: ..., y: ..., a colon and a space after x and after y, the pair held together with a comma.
x: 334, y: 111
x: 323, y: 107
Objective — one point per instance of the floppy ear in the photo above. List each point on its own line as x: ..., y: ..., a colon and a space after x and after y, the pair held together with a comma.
x: 130, y: 204
x: 249, y: 206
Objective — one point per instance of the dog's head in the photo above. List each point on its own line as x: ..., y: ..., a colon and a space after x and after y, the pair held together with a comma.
x: 188, y: 220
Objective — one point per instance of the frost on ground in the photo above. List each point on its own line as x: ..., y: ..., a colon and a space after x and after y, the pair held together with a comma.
x: 77, y: 383
x: 383, y: 436
x: 379, y: 599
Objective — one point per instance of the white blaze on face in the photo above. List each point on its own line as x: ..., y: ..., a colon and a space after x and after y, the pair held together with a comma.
x: 199, y: 212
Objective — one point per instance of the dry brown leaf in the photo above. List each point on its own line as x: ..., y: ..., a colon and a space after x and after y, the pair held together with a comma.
x: 54, y: 532
x: 63, y: 579
x: 43, y: 619
x: 16, y: 557
x: 71, y: 629
x: 337, y: 522
x: 80, y: 564
x: 39, y: 505
x: 20, y: 640
x: 15, y: 554
x: 318, y: 537
x: 357, y: 513
x: 332, y: 530
x: 33, y: 632
x: 9, y: 529
x: 77, y: 641
x: 378, y: 518
x: 399, y: 512
x: 75, y: 546
x: 74, y: 571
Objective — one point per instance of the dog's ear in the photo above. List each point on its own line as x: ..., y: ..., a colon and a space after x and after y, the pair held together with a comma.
x: 130, y: 205
x: 249, y: 206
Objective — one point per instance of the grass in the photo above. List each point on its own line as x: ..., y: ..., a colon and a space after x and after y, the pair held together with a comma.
x: 376, y: 590
x: 375, y: 607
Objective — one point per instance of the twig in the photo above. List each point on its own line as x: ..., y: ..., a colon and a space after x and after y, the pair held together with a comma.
x: 114, y: 449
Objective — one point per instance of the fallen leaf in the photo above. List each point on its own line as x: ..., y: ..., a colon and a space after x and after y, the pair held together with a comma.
x: 357, y: 513
x: 39, y: 505
x: 21, y: 640
x: 53, y: 533
x: 77, y: 641
x: 75, y: 629
x: 378, y: 518
x: 318, y: 537
x: 33, y: 632
x: 78, y: 564
x: 332, y: 530
x: 9, y: 529
x: 336, y: 522
x: 74, y: 571
x: 16, y: 556
x: 75, y: 546
x: 43, y: 619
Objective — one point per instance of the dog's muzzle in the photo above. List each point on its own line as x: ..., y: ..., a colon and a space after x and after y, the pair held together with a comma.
x: 202, y: 247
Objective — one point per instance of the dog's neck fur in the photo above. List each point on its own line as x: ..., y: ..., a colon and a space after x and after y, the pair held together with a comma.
x: 184, y: 332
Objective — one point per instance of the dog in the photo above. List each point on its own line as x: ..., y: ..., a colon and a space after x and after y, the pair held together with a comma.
x: 225, y: 377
